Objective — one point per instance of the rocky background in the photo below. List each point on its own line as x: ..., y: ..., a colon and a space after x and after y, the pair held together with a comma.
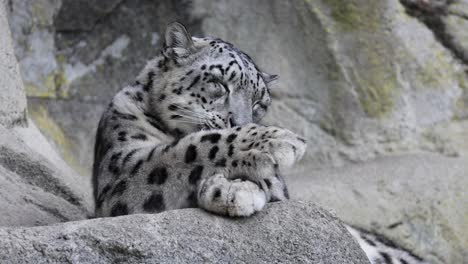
x: 379, y: 89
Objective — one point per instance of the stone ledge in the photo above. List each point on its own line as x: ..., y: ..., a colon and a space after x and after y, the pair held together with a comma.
x: 288, y: 232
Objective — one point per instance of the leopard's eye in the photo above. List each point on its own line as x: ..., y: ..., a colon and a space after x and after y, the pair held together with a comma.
x: 218, y: 88
x: 258, y: 110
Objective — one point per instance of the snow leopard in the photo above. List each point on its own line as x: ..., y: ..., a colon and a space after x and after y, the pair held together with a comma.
x: 187, y: 134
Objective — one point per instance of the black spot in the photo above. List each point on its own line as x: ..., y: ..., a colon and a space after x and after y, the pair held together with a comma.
x: 238, y: 129
x: 124, y: 116
x: 195, y: 81
x: 192, y: 200
x: 191, y: 154
x: 119, y: 209
x: 113, y: 168
x: 189, y: 72
x: 234, y: 163
x: 173, y: 107
x: 213, y: 152
x: 386, y: 241
x: 150, y: 155
x: 137, y: 167
x: 233, y: 74
x: 149, y: 84
x: 120, y: 188
x: 138, y: 96
x: 140, y: 137
x: 158, y: 175
x: 267, y: 182
x: 231, y: 138
x: 129, y: 156
x: 230, y: 150
x: 369, y: 241
x: 203, y: 67
x: 121, y: 136
x: 386, y: 257
x: 216, y: 194
x: 213, y: 138
x: 403, y: 261
x: 204, y: 100
x: 162, y: 97
x: 221, y: 162
x: 195, y: 175
x: 155, y: 125
x: 154, y: 203
x: 100, y: 198
x: 176, y: 116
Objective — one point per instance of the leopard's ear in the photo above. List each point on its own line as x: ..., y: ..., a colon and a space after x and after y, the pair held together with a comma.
x: 269, y: 78
x: 178, y: 41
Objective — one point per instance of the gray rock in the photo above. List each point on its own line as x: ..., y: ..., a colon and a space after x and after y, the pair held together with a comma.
x: 455, y: 26
x: 420, y: 201
x: 37, y: 188
x: 12, y: 97
x: 290, y: 232
x: 358, y: 79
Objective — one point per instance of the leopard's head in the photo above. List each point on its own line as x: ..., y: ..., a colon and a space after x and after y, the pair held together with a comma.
x: 204, y: 83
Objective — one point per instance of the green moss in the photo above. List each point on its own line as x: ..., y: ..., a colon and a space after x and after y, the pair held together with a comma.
x: 376, y: 80
x: 353, y: 15
x: 53, y: 86
x: 461, y: 104
x: 33, y: 90
x: 40, y: 14
x: 373, y: 74
x: 461, y: 78
x: 54, y: 132
x: 436, y: 72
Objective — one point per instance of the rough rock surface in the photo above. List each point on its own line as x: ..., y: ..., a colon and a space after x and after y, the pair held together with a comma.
x: 418, y: 200
x: 12, y: 98
x: 291, y: 232
x: 358, y: 79
x: 37, y: 187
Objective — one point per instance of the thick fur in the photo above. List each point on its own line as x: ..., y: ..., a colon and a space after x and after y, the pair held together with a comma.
x: 380, y: 250
x: 185, y: 135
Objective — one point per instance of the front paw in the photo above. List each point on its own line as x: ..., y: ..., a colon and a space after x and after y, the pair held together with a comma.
x: 282, y: 146
x: 231, y: 197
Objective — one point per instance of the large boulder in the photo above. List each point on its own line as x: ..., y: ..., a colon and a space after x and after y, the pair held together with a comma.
x: 420, y: 201
x: 38, y: 187
x: 359, y: 78
x: 290, y: 232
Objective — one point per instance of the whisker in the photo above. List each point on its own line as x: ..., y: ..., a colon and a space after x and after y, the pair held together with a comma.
x: 191, y: 117
x: 191, y: 112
